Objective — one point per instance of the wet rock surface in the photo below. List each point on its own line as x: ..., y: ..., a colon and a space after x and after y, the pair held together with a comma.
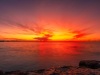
x: 90, y: 64
x: 64, y: 70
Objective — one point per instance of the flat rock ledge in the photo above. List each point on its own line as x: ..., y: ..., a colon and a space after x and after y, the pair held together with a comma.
x: 83, y: 69
x: 94, y: 64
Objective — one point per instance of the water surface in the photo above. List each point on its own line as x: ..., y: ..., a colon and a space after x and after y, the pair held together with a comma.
x: 37, y: 55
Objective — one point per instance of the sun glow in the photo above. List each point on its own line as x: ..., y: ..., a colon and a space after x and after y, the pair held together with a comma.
x: 48, y: 35
x: 62, y: 36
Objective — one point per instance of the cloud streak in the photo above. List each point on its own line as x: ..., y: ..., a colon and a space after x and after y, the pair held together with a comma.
x: 80, y: 33
x: 17, y: 24
x: 36, y: 30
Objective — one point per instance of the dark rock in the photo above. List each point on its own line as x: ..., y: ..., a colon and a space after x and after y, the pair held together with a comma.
x: 93, y: 64
x: 1, y: 72
x: 15, y: 73
x: 66, y: 67
x: 40, y: 71
x: 54, y: 74
x: 62, y: 69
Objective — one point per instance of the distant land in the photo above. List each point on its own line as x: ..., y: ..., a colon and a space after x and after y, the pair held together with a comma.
x: 48, y: 41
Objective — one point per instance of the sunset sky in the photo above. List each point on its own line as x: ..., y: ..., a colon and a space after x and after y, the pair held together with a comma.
x: 57, y: 20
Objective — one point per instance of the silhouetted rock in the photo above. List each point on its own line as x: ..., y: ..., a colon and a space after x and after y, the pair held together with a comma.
x: 90, y: 64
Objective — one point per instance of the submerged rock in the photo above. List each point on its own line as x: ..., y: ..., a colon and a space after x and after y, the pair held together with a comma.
x: 93, y: 64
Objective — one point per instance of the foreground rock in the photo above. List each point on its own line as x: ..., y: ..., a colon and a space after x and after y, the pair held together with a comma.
x: 15, y: 73
x: 86, y: 67
x: 1, y: 72
x: 90, y: 64
x: 59, y: 71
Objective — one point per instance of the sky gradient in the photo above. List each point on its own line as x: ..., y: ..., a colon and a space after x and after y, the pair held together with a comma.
x: 53, y: 19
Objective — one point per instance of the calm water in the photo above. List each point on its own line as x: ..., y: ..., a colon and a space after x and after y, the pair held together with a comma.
x: 37, y: 55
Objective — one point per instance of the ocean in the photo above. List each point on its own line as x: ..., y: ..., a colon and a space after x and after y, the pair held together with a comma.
x: 39, y: 55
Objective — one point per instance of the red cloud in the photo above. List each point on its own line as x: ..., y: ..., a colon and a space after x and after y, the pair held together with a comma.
x: 80, y: 33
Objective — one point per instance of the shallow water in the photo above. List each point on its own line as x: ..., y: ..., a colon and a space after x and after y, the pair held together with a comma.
x: 38, y: 55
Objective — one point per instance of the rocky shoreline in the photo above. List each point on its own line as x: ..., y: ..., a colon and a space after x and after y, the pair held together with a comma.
x: 86, y: 67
